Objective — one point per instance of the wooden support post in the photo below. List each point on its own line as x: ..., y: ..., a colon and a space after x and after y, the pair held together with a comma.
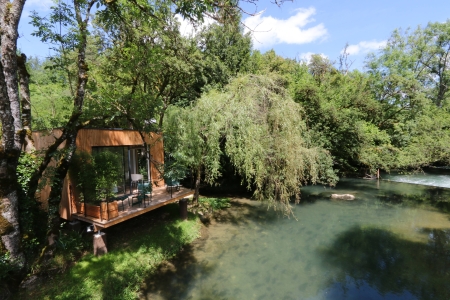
x: 100, y: 243
x: 183, y: 209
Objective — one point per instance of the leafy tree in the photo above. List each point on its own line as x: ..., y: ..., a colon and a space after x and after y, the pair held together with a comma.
x: 258, y: 126
x: 340, y: 111
x: 149, y: 68
x: 270, y: 62
x: 425, y: 138
x: 407, y: 77
x: 51, y: 95
x: 75, y: 19
x: 422, y: 55
x: 225, y: 51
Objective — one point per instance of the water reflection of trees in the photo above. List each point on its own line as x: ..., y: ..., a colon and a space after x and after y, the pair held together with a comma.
x: 391, y: 264
x: 432, y: 196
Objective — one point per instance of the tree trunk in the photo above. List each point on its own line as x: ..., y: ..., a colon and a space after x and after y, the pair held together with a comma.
x: 197, y: 184
x: 12, y: 130
x: 24, y: 86
x: 70, y: 131
x: 58, y: 184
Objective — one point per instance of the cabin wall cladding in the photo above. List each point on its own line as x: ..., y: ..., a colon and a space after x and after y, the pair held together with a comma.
x: 88, y: 138
x: 157, y: 155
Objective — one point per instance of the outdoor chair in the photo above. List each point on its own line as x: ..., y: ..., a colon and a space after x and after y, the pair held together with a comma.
x: 135, y: 178
x: 144, y: 193
x: 172, y: 185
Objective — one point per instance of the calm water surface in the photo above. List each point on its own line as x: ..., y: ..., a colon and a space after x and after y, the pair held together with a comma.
x: 392, y: 242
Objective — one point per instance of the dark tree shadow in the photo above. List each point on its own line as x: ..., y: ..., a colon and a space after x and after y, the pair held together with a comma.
x: 173, y: 279
x: 376, y: 262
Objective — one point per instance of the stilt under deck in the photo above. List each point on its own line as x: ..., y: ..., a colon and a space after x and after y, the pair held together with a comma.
x: 160, y: 197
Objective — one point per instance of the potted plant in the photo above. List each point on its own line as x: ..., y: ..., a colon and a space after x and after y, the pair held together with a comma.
x: 82, y: 172
x: 107, y: 171
x: 96, y: 176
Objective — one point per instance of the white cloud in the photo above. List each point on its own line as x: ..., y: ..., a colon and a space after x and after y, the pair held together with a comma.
x: 188, y: 29
x: 364, y: 47
x: 269, y: 31
x: 306, y: 57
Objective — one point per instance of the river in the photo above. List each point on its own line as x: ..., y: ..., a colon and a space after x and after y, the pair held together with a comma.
x: 391, y: 242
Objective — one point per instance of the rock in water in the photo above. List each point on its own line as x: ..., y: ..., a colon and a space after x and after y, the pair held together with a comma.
x: 343, y: 196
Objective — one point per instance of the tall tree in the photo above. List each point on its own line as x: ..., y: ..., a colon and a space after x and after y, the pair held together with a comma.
x: 339, y: 110
x: 76, y: 16
x: 13, y: 130
x: 408, y: 77
x: 422, y: 55
x: 146, y: 68
x: 257, y: 125
x: 226, y: 52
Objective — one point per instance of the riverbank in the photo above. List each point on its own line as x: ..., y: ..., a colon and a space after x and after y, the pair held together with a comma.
x: 136, y: 249
x: 392, y: 242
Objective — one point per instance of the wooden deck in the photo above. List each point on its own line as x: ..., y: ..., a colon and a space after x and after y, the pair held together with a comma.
x: 160, y: 197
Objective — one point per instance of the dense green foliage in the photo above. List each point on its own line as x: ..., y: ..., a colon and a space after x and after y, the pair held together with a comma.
x: 95, y: 175
x: 409, y: 79
x: 51, y: 96
x: 260, y: 128
x: 32, y: 214
x: 119, y: 273
x: 393, y: 116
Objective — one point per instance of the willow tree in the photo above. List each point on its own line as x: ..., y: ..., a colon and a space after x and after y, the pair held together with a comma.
x: 260, y: 128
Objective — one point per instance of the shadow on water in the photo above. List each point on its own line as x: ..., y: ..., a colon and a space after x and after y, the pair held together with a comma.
x: 174, y: 279
x: 433, y: 196
x: 373, y: 261
x: 390, y: 243
x: 248, y: 212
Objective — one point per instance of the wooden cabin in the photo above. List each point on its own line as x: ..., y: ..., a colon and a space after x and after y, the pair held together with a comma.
x: 128, y: 144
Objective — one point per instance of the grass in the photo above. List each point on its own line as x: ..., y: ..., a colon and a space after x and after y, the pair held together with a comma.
x: 210, y: 204
x: 136, y: 247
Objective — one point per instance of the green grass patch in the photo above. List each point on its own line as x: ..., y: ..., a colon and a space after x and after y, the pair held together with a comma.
x: 120, y: 273
x: 211, y: 204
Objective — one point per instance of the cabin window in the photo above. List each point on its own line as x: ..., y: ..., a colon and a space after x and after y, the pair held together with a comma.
x: 132, y: 161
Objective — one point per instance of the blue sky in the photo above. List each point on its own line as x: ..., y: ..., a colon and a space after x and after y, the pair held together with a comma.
x: 299, y: 28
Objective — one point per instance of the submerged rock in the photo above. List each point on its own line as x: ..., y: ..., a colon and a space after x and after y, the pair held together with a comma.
x: 343, y: 196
